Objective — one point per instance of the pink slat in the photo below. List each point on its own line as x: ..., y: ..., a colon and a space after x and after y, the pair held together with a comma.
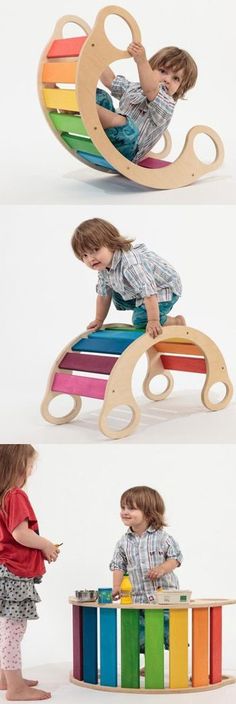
x: 66, y: 47
x: 151, y: 163
x: 88, y: 362
x: 81, y: 385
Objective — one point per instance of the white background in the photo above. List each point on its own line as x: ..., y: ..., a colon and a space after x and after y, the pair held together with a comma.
x: 37, y: 169
x: 80, y: 507
x: 50, y: 298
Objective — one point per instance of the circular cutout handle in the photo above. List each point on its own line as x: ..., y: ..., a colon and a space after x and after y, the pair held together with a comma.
x: 158, y: 397
x: 59, y: 420
x: 70, y: 19
x: 122, y: 432
x: 125, y: 15
x: 189, y: 146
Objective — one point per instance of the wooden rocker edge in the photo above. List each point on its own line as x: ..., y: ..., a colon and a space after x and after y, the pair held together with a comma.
x: 226, y: 680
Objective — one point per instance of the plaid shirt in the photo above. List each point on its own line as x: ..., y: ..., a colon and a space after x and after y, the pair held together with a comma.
x: 139, y: 273
x: 151, y: 117
x: 136, y: 554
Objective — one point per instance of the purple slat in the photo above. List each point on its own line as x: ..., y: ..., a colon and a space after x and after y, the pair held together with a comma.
x: 88, y: 363
x: 77, y: 643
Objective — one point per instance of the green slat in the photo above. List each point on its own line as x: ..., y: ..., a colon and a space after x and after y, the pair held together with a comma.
x: 80, y: 144
x: 68, y: 123
x: 130, y: 648
x: 154, y: 649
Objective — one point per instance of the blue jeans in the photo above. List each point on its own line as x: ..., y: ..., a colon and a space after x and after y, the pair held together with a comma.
x: 124, y: 137
x: 139, y: 317
x: 142, y: 630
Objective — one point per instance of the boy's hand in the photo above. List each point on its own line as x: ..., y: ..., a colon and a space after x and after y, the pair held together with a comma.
x: 153, y: 328
x: 156, y: 572
x: 137, y: 51
x: 50, y: 551
x: 115, y: 594
x: 95, y: 325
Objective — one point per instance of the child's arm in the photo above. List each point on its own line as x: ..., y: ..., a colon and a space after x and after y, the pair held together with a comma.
x: 117, y: 579
x: 160, y: 570
x: 25, y: 536
x: 153, y: 326
x: 107, y: 77
x: 102, y: 307
x: 149, y: 79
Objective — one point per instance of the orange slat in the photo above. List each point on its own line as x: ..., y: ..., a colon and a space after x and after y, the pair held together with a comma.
x: 63, y: 72
x: 200, y: 647
x: 179, y: 348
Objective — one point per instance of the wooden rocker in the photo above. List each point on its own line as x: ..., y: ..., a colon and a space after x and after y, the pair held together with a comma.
x: 111, y: 355
x: 100, y: 670
x: 69, y: 72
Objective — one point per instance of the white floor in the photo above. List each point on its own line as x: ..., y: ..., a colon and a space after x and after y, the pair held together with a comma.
x: 55, y: 678
x: 82, y: 185
x: 179, y: 419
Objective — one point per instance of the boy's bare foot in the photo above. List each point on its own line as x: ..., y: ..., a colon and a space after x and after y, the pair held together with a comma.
x: 26, y: 694
x: 29, y: 683
x: 178, y: 320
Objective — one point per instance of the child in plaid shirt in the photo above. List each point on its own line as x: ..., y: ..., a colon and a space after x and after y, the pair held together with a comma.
x: 145, y: 108
x: 133, y: 277
x: 146, y: 551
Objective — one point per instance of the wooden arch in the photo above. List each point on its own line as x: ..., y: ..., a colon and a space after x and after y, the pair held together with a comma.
x: 98, y: 52
x: 118, y: 391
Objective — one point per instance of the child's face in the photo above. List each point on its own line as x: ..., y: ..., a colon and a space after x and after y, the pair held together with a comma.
x: 133, y: 517
x: 99, y: 259
x: 170, y: 79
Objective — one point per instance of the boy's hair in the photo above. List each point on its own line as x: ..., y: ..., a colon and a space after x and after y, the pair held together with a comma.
x: 175, y: 58
x: 13, y: 466
x: 92, y: 234
x: 148, y: 501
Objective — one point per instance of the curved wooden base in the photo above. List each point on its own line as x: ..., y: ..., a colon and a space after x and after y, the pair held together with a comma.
x: 97, y: 53
x: 118, y: 388
x: 225, y: 681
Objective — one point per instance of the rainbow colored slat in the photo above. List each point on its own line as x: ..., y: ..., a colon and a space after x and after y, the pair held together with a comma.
x: 98, y: 353
x: 204, y: 650
x: 68, y: 124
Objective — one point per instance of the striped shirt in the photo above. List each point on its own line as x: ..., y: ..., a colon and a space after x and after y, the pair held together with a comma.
x: 137, y: 554
x: 151, y: 117
x: 139, y: 273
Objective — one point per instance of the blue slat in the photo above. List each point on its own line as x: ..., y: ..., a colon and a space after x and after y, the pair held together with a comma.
x: 95, y: 159
x: 108, y: 647
x: 108, y: 341
x: 90, y: 645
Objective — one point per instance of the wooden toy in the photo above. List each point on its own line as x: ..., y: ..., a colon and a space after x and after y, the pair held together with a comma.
x: 203, y: 617
x: 69, y: 72
x: 100, y: 365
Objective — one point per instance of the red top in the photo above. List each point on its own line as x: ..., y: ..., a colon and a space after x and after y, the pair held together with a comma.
x: 22, y: 561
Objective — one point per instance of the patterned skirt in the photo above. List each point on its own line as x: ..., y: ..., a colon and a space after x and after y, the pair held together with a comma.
x: 18, y: 596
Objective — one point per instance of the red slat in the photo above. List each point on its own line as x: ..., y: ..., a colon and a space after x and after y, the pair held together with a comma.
x: 184, y: 364
x: 66, y: 47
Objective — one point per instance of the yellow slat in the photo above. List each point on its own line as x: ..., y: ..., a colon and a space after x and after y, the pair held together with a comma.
x: 178, y: 648
x: 60, y: 99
